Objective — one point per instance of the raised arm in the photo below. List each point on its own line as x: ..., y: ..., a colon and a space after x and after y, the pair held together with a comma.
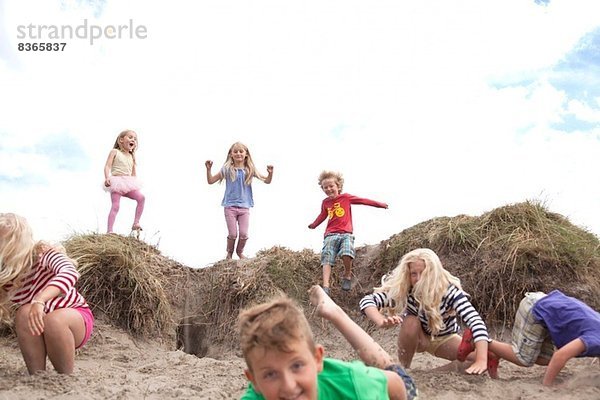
x: 269, y: 177
x: 210, y: 178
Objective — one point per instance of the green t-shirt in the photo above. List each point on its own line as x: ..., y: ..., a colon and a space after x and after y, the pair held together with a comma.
x: 343, y: 380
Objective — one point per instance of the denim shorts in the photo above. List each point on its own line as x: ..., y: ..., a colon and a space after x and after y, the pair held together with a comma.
x: 337, y: 245
x: 409, y: 384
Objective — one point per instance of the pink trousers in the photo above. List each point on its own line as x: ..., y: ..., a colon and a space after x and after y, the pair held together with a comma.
x: 237, y: 220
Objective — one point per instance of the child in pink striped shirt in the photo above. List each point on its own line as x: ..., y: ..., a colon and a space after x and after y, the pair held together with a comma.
x: 52, y: 318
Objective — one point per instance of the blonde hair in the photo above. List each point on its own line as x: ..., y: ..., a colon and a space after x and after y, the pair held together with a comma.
x: 18, y: 254
x: 273, y: 325
x: 121, y: 135
x: 249, y: 168
x: 339, y: 179
x: 428, y: 291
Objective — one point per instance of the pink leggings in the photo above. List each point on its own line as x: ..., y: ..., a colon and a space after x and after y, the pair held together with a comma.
x: 237, y: 217
x: 116, y: 202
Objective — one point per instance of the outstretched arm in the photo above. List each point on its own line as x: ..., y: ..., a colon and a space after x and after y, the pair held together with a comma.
x: 269, y: 177
x: 559, y: 359
x: 380, y: 320
x: 210, y: 178
x: 367, y: 202
x: 372, y: 303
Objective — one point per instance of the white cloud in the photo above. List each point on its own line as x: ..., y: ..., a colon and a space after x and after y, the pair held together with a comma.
x: 419, y: 104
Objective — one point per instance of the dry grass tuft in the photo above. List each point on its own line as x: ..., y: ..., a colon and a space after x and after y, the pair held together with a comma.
x: 506, y: 252
x: 233, y: 285
x: 121, y: 278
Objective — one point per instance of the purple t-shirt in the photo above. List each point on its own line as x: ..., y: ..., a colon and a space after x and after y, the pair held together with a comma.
x: 567, y: 319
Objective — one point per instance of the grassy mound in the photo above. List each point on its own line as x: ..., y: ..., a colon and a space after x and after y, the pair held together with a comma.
x: 504, y: 253
x: 122, y: 278
x: 229, y: 286
x: 498, y: 256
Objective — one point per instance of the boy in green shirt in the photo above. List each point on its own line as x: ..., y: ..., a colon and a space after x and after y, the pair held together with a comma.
x: 284, y: 362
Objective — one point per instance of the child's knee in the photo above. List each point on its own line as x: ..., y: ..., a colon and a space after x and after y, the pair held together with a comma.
x: 525, y: 360
x: 22, y: 317
x: 54, y: 324
x: 410, y: 326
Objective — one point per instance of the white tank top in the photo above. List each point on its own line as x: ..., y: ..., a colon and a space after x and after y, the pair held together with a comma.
x: 122, y: 164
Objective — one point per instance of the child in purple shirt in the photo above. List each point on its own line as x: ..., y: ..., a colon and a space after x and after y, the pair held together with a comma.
x: 545, y: 322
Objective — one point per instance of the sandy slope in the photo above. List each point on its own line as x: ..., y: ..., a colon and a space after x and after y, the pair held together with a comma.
x: 113, y: 366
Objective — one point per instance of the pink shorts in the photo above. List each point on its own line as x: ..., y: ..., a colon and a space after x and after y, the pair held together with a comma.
x: 88, y: 321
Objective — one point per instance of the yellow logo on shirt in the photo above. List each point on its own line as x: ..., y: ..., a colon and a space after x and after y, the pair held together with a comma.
x: 337, y: 210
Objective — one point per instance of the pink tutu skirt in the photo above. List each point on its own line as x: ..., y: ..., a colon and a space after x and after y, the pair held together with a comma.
x: 123, y: 184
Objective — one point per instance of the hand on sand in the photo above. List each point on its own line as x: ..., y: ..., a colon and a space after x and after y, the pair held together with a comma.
x: 477, y: 368
x: 389, y: 322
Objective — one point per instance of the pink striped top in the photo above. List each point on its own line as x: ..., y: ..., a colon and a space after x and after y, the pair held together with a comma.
x: 52, y: 269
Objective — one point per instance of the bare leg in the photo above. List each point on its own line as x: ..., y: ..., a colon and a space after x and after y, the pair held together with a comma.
x: 505, y: 350
x: 347, y: 260
x: 410, y: 340
x: 449, y: 349
x: 32, y: 347
x: 369, y: 351
x: 326, y: 275
x: 64, y: 329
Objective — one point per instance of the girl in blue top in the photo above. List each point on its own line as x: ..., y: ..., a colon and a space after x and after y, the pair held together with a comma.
x: 237, y: 172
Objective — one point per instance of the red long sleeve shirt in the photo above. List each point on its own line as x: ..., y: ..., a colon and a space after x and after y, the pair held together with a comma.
x: 339, y: 212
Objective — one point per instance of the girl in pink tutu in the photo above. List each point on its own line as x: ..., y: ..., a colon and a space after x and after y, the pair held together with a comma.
x: 120, y: 178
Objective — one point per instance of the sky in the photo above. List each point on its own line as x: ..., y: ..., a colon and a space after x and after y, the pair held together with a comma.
x: 437, y: 108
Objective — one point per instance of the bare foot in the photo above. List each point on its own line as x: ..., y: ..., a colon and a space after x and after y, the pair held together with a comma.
x: 326, y: 307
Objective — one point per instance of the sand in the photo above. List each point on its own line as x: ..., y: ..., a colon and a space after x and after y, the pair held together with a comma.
x: 114, y: 366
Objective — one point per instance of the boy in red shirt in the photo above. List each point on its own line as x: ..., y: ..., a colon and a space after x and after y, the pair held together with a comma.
x: 339, y: 240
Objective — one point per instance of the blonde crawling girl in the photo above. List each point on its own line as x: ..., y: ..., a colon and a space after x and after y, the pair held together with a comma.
x: 52, y: 318
x: 430, y: 299
x: 237, y: 172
